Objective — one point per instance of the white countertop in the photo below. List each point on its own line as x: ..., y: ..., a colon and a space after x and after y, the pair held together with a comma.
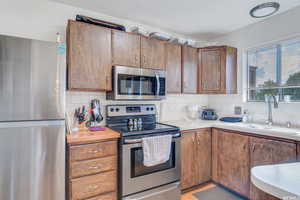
x: 259, y: 129
x: 281, y: 180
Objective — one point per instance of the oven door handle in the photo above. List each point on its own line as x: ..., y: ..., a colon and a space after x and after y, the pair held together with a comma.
x: 157, y: 84
x: 133, y: 141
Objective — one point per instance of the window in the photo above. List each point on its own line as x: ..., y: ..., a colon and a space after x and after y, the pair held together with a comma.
x: 274, y: 70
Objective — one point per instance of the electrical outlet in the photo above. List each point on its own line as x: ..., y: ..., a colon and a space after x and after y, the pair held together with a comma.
x: 237, y: 110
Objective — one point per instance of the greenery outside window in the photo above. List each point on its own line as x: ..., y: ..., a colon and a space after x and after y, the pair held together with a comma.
x: 274, y: 70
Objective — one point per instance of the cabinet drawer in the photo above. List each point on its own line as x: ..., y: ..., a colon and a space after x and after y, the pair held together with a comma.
x: 109, y: 196
x: 83, y: 168
x: 90, y: 151
x: 91, y: 186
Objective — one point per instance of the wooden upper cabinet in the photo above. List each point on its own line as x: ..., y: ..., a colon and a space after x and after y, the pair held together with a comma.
x: 126, y: 49
x: 232, y: 165
x: 89, y: 57
x: 266, y: 152
x: 173, y: 68
x: 189, y: 70
x: 218, y: 70
x: 152, y: 53
x: 196, y: 157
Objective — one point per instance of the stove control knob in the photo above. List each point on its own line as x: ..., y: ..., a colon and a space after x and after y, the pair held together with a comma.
x: 147, y: 108
x: 112, y: 110
x: 117, y: 109
x: 152, y: 108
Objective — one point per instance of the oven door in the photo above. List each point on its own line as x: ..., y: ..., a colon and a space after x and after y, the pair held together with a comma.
x: 138, y: 84
x: 136, y: 177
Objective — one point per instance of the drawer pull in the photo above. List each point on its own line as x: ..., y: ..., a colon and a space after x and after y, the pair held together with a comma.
x: 93, y: 187
x: 93, y: 151
x: 94, y: 167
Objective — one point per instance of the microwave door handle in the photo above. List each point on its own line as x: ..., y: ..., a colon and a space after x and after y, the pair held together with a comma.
x: 158, y: 85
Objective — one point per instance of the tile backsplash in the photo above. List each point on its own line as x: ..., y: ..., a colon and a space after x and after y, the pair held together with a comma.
x: 174, y: 107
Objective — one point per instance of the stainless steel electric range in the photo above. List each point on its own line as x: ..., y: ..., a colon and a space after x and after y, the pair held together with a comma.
x: 160, y: 182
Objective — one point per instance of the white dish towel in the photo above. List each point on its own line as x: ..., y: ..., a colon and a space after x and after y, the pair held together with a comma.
x: 156, y: 149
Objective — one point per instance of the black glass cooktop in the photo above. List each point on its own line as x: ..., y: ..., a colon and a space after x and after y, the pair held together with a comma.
x: 144, y: 129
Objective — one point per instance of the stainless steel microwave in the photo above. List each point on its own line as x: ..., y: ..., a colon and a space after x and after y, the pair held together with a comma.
x: 131, y: 83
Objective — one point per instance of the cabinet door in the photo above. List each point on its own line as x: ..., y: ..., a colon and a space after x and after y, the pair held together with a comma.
x: 173, y: 68
x: 189, y: 70
x: 264, y: 152
x: 126, y: 49
x: 284, y: 152
x: 89, y: 57
x: 212, y: 70
x: 233, y: 161
x: 215, y: 133
x: 202, y: 159
x: 231, y: 70
x: 188, y: 178
x: 153, y: 53
x: 298, y: 152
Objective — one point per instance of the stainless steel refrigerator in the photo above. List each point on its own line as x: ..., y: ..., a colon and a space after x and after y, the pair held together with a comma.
x: 32, y: 126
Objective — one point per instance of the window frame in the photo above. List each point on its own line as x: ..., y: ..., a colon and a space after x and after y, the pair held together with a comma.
x: 277, y: 45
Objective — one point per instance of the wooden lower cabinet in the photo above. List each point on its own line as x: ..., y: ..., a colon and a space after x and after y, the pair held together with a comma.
x: 231, y: 161
x: 265, y: 152
x: 91, y: 151
x: 92, y: 171
x: 203, y: 154
x: 90, y: 186
x: 88, y: 167
x: 109, y: 196
x: 195, y: 157
x: 257, y: 194
x: 235, y: 153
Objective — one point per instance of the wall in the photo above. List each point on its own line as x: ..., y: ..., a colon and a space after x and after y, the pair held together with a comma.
x: 276, y: 28
x: 42, y: 19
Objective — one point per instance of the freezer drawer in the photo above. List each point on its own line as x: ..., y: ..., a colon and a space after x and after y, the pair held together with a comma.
x: 166, y: 192
x: 32, y: 80
x: 32, y: 161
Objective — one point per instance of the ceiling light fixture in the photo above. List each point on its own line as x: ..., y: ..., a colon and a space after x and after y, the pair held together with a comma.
x: 264, y: 10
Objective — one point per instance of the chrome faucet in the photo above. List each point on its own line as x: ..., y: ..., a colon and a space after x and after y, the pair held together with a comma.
x: 271, y: 99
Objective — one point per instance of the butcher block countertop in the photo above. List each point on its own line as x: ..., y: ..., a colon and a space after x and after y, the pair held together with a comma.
x: 85, y: 136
